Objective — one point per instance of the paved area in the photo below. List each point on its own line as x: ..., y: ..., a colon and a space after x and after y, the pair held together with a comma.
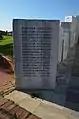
x: 10, y: 110
x: 41, y: 108
x: 7, y: 83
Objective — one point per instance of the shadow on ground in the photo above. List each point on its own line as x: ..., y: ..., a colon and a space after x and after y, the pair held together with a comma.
x: 72, y: 97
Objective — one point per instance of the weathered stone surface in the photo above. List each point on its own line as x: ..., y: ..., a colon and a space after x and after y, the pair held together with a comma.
x: 36, y: 50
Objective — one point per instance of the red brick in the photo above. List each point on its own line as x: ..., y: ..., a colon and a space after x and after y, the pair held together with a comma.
x: 24, y: 114
x: 4, y: 116
x: 32, y: 117
x: 14, y: 110
x: 3, y: 101
x: 7, y: 104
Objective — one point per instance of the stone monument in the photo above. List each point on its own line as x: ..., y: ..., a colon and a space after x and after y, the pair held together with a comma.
x: 36, y: 53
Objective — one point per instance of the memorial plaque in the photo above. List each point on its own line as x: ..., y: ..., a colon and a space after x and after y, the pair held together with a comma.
x: 36, y: 53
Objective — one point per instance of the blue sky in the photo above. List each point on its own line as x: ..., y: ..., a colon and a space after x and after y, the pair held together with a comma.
x: 49, y: 9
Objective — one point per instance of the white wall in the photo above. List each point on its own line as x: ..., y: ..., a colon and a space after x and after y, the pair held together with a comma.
x: 77, y: 29
x: 66, y: 43
x: 74, y: 29
x: 64, y: 40
x: 60, y: 44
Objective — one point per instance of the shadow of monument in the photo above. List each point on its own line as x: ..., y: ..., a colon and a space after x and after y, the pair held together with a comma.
x: 68, y: 101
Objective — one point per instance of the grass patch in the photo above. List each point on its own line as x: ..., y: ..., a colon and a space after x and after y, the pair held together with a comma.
x: 6, y: 46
